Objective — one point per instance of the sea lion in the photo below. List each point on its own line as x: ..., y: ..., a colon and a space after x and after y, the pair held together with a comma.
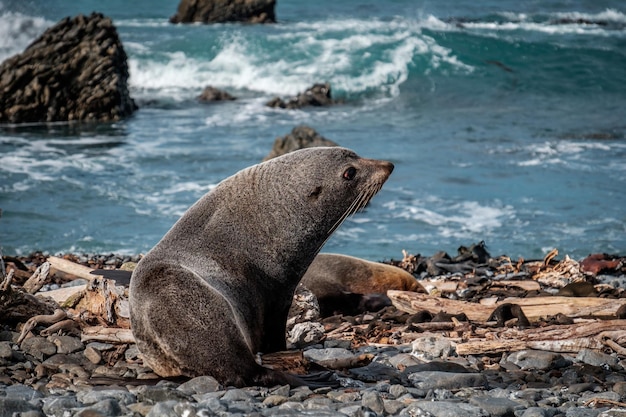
x: 342, y: 283
x: 217, y: 288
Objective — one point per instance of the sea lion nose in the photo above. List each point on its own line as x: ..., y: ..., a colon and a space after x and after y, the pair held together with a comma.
x: 387, y: 166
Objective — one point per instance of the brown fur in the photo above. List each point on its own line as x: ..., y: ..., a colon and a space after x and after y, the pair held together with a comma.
x: 217, y: 288
x: 334, y: 277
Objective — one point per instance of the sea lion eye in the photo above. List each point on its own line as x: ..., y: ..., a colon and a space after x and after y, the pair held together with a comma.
x: 349, y: 173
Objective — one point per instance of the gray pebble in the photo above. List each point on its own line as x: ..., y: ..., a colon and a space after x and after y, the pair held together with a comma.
x: 93, y: 396
x: 6, y: 350
x: 173, y: 409
x: 538, y: 360
x: 21, y: 392
x: 595, y: 358
x: 38, y: 347
x: 56, y: 406
x: 447, y: 380
x: 373, y: 401
x: 357, y: 411
x: 9, y: 406
x: 442, y: 409
x: 108, y: 407
x: 496, y: 407
x: 200, y: 385
x: 237, y: 394
x: 66, y: 344
x: 538, y: 412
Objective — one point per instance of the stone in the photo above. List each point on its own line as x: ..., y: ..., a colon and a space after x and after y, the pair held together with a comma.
x: 94, y: 396
x: 6, y: 350
x: 300, y: 137
x: 318, y: 95
x: 107, y: 407
x: 432, y: 347
x: 75, y: 71
x: 66, y: 344
x: 156, y: 394
x: 442, y: 409
x: 21, y: 392
x: 595, y: 358
x: 274, y: 400
x: 93, y: 355
x: 57, y: 406
x: 219, y: 11
x: 321, y: 355
x: 538, y: 360
x: 237, y: 395
x: 373, y: 401
x: 446, y: 380
x: 200, y: 385
x: 538, y: 412
x: 357, y: 411
x: 210, y: 94
x: 305, y: 334
x: 13, y: 406
x: 173, y: 408
x: 38, y: 347
x: 496, y: 407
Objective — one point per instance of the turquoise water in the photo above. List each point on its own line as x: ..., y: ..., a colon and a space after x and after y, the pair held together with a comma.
x: 506, y: 122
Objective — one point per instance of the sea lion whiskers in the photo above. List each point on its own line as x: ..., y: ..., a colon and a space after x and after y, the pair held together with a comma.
x: 359, y: 202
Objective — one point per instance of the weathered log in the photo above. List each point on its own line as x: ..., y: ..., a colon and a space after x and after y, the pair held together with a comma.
x: 534, y: 308
x: 107, y: 334
x: 71, y: 268
x: 572, y: 338
x: 38, y: 279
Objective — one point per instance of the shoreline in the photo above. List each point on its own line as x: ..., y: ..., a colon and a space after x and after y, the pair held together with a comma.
x: 388, y: 362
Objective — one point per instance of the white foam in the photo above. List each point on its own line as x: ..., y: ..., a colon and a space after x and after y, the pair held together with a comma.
x: 465, y: 219
x: 17, y: 31
x: 356, y: 55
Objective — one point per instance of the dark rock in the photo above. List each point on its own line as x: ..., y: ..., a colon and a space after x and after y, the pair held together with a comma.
x: 538, y: 360
x: 76, y: 70
x: 38, y: 347
x: 214, y: 94
x: 318, y: 95
x: 219, y: 11
x: 446, y: 380
x: 15, y: 406
x: 300, y: 137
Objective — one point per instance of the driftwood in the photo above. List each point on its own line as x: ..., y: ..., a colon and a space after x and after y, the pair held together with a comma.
x: 71, y: 268
x: 592, y: 334
x: 107, y: 334
x: 18, y: 306
x: 38, y: 279
x: 449, y: 286
x: 58, y: 315
x: 534, y: 307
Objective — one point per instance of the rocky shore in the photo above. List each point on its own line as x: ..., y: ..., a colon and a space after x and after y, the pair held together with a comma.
x: 388, y: 362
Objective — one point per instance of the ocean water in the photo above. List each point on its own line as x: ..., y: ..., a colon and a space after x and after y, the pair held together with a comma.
x: 506, y: 122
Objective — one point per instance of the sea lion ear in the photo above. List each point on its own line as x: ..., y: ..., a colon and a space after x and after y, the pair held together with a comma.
x: 316, y: 192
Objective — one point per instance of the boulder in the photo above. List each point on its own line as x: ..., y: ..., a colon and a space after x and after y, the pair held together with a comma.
x: 299, y: 138
x: 76, y: 70
x: 213, y: 94
x: 220, y: 11
x: 318, y: 95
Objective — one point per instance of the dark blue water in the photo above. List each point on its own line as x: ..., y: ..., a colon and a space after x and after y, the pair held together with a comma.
x: 506, y: 122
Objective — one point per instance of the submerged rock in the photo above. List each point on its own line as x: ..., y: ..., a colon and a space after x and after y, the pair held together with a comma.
x: 219, y: 11
x: 317, y: 95
x: 76, y: 70
x: 300, y: 137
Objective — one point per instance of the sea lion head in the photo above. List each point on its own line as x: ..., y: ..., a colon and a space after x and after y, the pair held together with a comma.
x: 280, y: 212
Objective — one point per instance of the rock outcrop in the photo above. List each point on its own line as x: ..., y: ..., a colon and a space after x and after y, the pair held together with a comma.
x: 299, y: 138
x: 220, y: 11
x: 75, y: 71
x: 210, y: 94
x: 318, y: 95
